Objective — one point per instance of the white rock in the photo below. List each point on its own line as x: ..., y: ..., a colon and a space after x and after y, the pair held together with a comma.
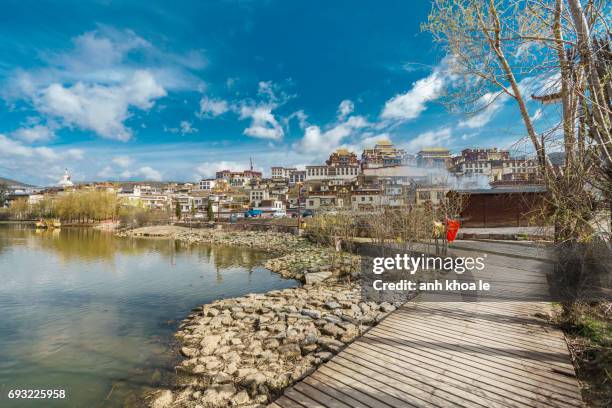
x: 209, y: 344
x: 242, y: 398
x: 316, y: 277
x: 163, y: 399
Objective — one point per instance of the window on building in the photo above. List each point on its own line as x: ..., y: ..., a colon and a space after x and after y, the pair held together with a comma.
x: 424, y: 195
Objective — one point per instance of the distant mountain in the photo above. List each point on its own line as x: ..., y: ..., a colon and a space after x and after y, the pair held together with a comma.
x: 13, y: 182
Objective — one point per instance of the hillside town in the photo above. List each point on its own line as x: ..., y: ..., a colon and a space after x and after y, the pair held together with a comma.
x: 383, y: 175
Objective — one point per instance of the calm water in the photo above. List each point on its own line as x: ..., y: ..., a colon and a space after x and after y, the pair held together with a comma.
x: 92, y: 314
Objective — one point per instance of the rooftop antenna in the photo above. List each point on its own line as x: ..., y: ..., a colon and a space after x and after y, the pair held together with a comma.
x: 251, y: 160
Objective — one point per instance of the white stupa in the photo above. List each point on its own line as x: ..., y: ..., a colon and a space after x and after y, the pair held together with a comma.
x: 65, y: 180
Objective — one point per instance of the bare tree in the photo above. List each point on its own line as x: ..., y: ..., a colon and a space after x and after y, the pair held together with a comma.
x: 551, y: 51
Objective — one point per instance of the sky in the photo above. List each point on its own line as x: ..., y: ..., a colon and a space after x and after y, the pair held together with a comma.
x: 154, y: 90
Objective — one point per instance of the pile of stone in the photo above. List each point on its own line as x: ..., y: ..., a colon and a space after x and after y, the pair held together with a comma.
x: 264, y: 240
x: 314, y: 263
x: 244, y: 351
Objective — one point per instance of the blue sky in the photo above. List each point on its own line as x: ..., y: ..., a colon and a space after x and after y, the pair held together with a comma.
x: 177, y: 90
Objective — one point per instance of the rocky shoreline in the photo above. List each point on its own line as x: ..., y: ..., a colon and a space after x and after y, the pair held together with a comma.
x: 297, y: 258
x: 244, y: 351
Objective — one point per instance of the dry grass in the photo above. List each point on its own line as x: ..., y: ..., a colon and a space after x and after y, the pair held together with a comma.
x: 588, y: 329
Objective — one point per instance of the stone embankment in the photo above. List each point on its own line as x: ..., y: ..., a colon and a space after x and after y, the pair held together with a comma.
x: 242, y: 352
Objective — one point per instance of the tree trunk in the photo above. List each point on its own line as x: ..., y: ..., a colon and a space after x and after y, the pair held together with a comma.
x: 589, y: 59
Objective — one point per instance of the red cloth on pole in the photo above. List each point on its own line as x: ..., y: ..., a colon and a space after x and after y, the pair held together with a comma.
x: 452, y: 227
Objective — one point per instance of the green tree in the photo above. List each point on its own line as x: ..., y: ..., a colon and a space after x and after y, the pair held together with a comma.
x: 209, y: 210
x: 19, y: 209
x: 194, y: 210
x: 3, y: 194
x: 177, y: 210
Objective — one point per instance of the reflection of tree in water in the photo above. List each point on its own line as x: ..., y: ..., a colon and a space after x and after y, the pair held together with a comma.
x: 87, y: 244
x: 90, y: 244
x: 14, y: 235
x: 226, y: 257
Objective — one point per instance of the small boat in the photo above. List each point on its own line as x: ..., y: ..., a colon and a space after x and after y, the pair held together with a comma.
x: 41, y: 224
x: 57, y: 223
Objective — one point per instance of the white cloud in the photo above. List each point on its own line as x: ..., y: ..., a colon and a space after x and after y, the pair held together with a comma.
x: 212, y: 107
x: 145, y: 172
x: 97, y: 83
x: 95, y: 50
x: 149, y: 173
x: 11, y: 147
x: 46, y: 153
x: 122, y: 161
x: 19, y: 160
x: 106, y: 173
x: 346, y: 108
x: 430, y: 138
x: 185, y: 128
x: 101, y: 109
x: 537, y: 115
x: 411, y: 104
x: 316, y: 141
x: 105, y: 56
x: 268, y: 90
x: 208, y: 169
x: 300, y: 116
x: 263, y: 123
x: 76, y: 154
x: 490, y: 104
x: 34, y: 134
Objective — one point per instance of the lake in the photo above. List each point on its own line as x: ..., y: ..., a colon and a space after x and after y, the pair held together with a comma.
x: 94, y: 315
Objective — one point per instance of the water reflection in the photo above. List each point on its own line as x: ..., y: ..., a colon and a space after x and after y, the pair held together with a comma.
x: 92, y: 245
x: 84, y: 311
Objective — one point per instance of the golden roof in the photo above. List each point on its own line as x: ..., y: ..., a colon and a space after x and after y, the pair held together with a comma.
x: 384, y: 142
x: 434, y: 149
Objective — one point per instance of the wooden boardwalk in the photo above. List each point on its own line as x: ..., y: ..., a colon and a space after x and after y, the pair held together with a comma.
x: 454, y: 353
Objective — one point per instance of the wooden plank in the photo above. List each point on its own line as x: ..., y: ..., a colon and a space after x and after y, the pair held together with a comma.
x: 480, y: 342
x: 445, y: 381
x: 447, y: 354
x: 517, y: 336
x: 347, y: 386
x: 377, y: 388
x: 321, y: 397
x: 473, y: 379
x: 303, y: 399
x: 440, y: 343
x: 335, y: 394
x: 284, y: 402
x: 455, y: 356
x: 413, y: 384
